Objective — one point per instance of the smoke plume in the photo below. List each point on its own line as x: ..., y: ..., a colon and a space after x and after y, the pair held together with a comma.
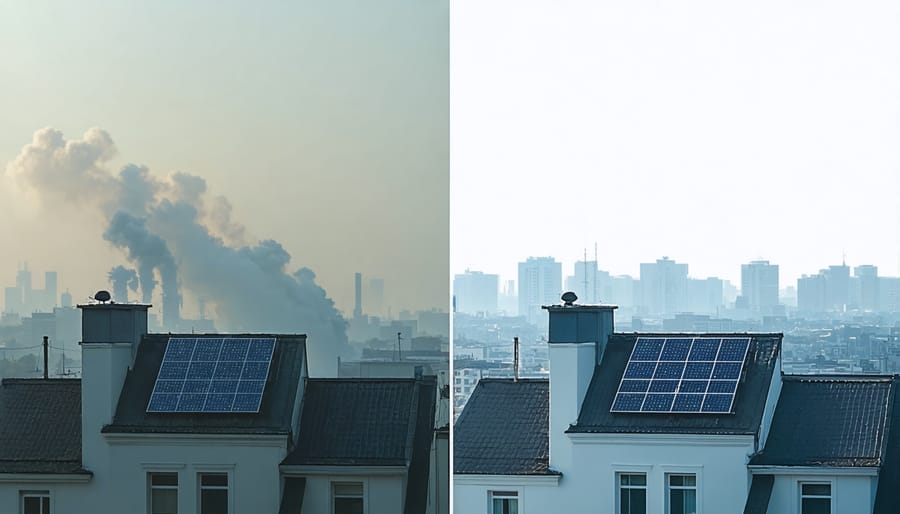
x: 122, y: 279
x: 173, y: 229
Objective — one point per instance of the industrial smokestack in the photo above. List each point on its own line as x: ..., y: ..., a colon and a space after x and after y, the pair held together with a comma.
x: 357, y: 308
x: 122, y: 279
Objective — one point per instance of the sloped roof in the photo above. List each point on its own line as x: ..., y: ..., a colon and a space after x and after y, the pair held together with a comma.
x: 760, y: 494
x: 40, y: 426
x: 274, y: 416
x: 749, y: 400
x: 887, y: 497
x: 504, y: 429
x: 829, y: 421
x: 363, y: 422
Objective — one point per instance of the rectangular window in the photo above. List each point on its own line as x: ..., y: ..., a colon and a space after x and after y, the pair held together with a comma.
x: 504, y: 502
x: 213, y: 493
x: 632, y: 493
x: 35, y: 502
x: 682, y: 494
x: 348, y: 497
x: 163, y: 493
x: 815, y: 498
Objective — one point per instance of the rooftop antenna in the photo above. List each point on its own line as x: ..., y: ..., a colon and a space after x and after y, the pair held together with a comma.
x: 516, y: 359
x: 399, y: 355
x: 584, y: 270
x: 596, y: 265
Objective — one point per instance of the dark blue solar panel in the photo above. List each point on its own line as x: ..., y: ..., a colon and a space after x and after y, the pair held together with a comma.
x: 704, y: 350
x: 169, y: 386
x: 207, y: 350
x: 172, y: 370
x: 658, y: 403
x: 626, y: 402
x: 195, y: 386
x: 160, y: 402
x: 698, y: 370
x: 693, y: 386
x: 640, y: 370
x: 251, y: 386
x: 223, y: 386
x: 675, y: 350
x: 687, y: 403
x: 722, y: 386
x: 246, y: 402
x: 179, y: 349
x: 663, y: 386
x: 733, y: 350
x: 255, y: 371
x: 717, y: 403
x: 698, y: 375
x: 191, y: 403
x: 228, y: 370
x: 647, y: 349
x: 634, y: 386
x: 261, y: 350
x: 669, y: 370
x: 219, y: 403
x: 727, y: 370
x: 234, y: 350
x: 212, y: 375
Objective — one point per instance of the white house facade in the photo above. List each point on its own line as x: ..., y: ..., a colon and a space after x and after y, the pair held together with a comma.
x: 150, y: 430
x: 675, y: 424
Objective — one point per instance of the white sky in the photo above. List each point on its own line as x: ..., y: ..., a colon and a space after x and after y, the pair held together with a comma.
x: 711, y: 132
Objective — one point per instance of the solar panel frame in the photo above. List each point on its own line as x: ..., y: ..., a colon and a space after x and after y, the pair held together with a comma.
x: 707, y: 382
x: 212, y: 375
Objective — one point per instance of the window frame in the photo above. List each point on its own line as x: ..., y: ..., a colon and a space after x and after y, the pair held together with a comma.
x: 508, y: 493
x: 227, y: 487
x: 363, y: 495
x: 620, y: 487
x: 36, y: 493
x: 801, y: 496
x: 151, y: 487
x: 669, y: 488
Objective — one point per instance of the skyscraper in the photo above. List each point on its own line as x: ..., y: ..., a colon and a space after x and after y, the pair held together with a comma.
x: 540, y: 283
x: 663, y: 287
x: 476, y: 292
x: 759, y: 286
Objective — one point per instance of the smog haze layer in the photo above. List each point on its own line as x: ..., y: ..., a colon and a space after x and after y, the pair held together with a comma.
x: 309, y: 139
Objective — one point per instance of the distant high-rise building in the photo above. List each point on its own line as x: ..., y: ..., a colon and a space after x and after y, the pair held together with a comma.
x: 540, y: 283
x: 588, y: 282
x: 357, y: 295
x: 66, y: 299
x: 705, y: 296
x: 811, y: 293
x: 759, y: 286
x: 476, y: 292
x: 837, y: 290
x: 12, y: 300
x: 889, y: 294
x: 663, y: 287
x: 373, y: 297
x: 867, y: 277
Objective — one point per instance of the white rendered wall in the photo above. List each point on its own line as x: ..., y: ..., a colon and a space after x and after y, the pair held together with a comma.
x: 570, y: 375
x: 536, y: 496
x: 850, y: 494
x: 383, y: 494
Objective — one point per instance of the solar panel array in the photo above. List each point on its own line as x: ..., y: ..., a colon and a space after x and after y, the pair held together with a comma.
x: 682, y: 375
x: 206, y: 374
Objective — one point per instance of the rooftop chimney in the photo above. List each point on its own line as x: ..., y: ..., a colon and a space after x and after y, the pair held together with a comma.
x: 577, y: 338
x: 110, y: 335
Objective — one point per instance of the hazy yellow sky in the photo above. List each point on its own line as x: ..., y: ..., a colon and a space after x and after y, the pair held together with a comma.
x: 324, y: 123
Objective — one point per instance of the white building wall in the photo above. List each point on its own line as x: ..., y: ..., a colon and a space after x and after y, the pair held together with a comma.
x: 850, y: 494
x: 63, y: 497
x: 383, y: 494
x: 537, y: 495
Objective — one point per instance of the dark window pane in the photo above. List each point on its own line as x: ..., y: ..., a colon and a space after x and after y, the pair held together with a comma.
x: 348, y: 506
x: 816, y: 489
x: 45, y: 501
x: 216, y: 479
x: 214, y: 501
x: 164, y: 501
x: 816, y: 506
x: 32, y: 505
x: 164, y: 479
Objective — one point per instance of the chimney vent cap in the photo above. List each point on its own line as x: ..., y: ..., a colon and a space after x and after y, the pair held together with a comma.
x: 102, y: 296
x: 569, y: 298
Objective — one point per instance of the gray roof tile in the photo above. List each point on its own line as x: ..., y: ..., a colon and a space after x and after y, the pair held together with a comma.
x: 829, y: 421
x: 504, y: 429
x: 40, y: 426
